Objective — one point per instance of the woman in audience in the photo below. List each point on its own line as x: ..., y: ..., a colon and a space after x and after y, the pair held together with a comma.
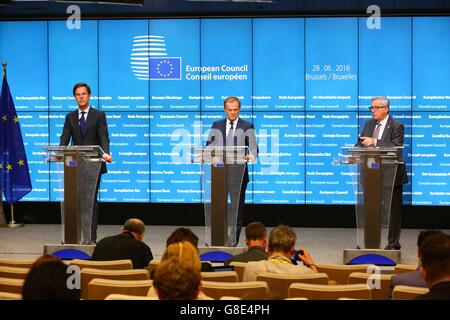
x: 48, y: 280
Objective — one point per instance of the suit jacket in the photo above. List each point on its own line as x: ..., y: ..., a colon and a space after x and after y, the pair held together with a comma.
x: 440, y: 291
x: 244, y: 135
x: 413, y: 279
x: 123, y: 246
x: 96, y: 131
x: 393, y: 136
x: 252, y: 254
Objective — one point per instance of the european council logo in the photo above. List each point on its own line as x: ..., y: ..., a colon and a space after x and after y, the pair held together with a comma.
x: 149, y: 59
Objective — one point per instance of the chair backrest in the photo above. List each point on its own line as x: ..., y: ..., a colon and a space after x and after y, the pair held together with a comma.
x: 329, y: 292
x: 402, y: 268
x: 16, y: 263
x: 11, y: 285
x: 278, y: 284
x: 87, y: 274
x: 407, y: 292
x: 125, y: 264
x: 222, y: 276
x: 13, y: 272
x: 239, y: 267
x: 378, y: 283
x: 153, y: 265
x: 254, y: 290
x: 99, y: 289
x: 340, y: 272
x: 10, y: 296
x: 117, y: 296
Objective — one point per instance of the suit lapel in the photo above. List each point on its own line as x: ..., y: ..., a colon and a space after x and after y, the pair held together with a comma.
x: 90, y: 119
x: 223, y: 129
x: 387, y: 129
x: 76, y: 124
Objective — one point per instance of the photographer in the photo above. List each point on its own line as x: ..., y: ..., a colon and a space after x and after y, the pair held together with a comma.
x: 283, y: 257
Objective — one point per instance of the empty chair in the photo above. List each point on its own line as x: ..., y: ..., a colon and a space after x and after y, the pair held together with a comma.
x: 11, y: 285
x: 117, y: 296
x: 407, y: 292
x: 13, y: 272
x: 125, y: 264
x: 239, y: 267
x: 99, y: 289
x: 402, y: 268
x: 10, y: 296
x: 254, y: 290
x: 222, y: 276
x: 340, y: 272
x: 87, y: 274
x: 378, y: 283
x: 328, y: 292
x: 278, y: 284
x: 16, y: 263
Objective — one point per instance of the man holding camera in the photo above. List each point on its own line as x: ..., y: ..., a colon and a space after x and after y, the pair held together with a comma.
x: 282, y: 256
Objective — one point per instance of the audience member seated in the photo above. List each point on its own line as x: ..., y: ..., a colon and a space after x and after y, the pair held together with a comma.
x: 413, y: 278
x: 48, y: 280
x: 281, y: 248
x: 256, y: 241
x: 126, y: 245
x: 435, y: 267
x: 184, y: 251
x: 184, y: 234
x: 177, y: 279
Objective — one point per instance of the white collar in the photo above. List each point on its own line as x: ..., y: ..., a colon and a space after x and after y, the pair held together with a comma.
x: 85, y: 110
x: 384, y: 121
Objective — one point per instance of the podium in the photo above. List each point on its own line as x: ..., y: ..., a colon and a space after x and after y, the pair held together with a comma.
x: 373, y: 171
x: 222, y: 172
x: 81, y: 167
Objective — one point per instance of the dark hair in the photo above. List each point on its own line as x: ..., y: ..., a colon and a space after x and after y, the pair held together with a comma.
x: 81, y: 84
x: 435, y: 256
x: 134, y: 225
x: 255, y: 231
x: 47, y: 280
x: 231, y: 99
x: 176, y: 279
x: 424, y: 234
x: 182, y: 234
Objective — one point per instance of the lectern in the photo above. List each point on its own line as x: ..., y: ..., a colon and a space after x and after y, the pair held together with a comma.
x: 222, y: 172
x: 373, y: 171
x: 81, y: 172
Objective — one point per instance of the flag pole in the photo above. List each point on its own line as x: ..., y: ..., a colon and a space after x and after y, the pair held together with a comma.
x: 12, y: 224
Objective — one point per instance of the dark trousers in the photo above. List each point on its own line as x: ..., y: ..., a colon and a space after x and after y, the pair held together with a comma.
x: 395, y: 218
x: 95, y: 212
x: 240, y: 213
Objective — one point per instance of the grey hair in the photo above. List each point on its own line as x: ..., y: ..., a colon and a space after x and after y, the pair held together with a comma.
x: 384, y: 100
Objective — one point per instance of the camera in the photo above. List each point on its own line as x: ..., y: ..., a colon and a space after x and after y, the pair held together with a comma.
x: 295, y: 254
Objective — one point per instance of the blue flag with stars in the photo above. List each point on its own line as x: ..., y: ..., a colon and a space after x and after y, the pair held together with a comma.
x: 15, y: 180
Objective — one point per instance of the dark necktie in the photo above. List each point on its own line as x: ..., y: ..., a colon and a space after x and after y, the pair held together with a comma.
x: 376, y: 132
x: 230, y: 136
x: 82, y: 123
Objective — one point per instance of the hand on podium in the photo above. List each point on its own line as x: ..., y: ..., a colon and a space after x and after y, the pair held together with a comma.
x: 250, y: 158
x: 368, y: 141
x: 107, y: 157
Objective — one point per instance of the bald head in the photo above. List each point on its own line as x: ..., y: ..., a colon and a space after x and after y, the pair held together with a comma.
x: 136, y: 227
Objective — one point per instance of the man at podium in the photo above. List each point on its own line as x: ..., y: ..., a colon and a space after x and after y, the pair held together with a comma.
x: 87, y: 126
x: 235, y: 131
x: 384, y: 131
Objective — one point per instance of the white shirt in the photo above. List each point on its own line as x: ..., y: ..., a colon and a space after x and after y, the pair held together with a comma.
x: 85, y: 115
x: 383, y: 125
x: 235, y: 122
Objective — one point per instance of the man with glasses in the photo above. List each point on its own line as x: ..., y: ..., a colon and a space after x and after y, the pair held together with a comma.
x: 384, y: 131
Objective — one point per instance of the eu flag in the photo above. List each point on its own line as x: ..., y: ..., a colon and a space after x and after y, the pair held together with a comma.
x: 15, y: 180
x: 165, y: 68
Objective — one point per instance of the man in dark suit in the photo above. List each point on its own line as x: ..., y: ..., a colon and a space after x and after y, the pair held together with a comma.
x: 384, y: 131
x: 435, y: 266
x: 413, y: 278
x: 126, y: 245
x: 256, y: 240
x: 235, y: 131
x: 87, y: 126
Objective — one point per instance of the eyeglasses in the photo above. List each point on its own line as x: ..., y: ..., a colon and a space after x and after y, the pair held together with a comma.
x: 377, y: 107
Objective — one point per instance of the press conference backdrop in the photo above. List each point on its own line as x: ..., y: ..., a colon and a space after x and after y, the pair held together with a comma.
x: 305, y: 83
